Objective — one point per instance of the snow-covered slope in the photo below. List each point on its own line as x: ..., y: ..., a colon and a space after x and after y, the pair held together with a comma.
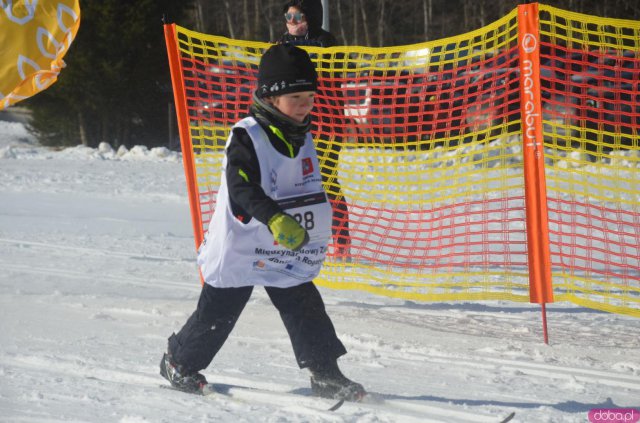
x: 97, y: 268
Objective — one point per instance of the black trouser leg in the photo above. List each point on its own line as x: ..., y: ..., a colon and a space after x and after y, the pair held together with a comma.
x: 340, y: 219
x: 312, y: 334
x: 207, y: 329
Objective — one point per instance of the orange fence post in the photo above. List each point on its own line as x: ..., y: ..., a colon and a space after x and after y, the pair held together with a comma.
x: 540, y: 288
x: 177, y: 82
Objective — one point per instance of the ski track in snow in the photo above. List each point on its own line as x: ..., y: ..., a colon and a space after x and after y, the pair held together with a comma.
x: 97, y: 269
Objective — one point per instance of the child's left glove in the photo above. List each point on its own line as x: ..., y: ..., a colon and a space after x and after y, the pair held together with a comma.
x: 288, y: 232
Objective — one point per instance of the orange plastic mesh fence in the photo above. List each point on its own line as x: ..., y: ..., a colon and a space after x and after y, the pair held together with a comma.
x: 418, y: 143
x: 421, y: 151
x: 591, y: 110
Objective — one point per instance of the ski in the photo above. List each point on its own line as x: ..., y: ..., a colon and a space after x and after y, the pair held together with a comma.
x: 251, y: 394
x: 394, y: 405
x: 337, y: 405
x: 246, y: 393
x: 508, y: 418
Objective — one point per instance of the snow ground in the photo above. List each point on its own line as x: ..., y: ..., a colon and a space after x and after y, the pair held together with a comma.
x: 98, y: 268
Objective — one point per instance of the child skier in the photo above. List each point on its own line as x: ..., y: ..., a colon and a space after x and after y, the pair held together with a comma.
x: 271, y: 227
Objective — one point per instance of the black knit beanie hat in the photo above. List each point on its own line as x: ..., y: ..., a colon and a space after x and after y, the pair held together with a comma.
x: 284, y: 69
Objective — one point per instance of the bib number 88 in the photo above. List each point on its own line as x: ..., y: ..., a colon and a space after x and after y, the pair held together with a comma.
x: 305, y: 220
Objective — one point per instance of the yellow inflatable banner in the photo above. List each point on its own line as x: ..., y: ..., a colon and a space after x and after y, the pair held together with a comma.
x: 34, y: 37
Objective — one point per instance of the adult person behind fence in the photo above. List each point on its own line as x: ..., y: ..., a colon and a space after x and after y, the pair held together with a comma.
x: 304, y: 28
x: 271, y: 182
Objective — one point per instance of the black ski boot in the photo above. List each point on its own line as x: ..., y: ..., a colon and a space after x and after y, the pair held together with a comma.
x: 179, y: 377
x: 327, y: 381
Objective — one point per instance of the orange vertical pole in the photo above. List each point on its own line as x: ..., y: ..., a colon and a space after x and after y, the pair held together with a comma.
x: 180, y: 99
x: 540, y: 288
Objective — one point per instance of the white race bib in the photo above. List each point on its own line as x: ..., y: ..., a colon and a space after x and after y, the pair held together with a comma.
x: 313, y: 213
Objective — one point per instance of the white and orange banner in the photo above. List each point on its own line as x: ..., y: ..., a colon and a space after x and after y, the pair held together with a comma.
x: 34, y: 37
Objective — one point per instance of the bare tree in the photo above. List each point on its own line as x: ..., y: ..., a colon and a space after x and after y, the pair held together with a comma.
x: 365, y: 24
x: 199, y: 16
x: 381, y: 23
x: 355, y: 26
x: 256, y: 19
x: 247, y: 35
x: 427, y: 10
x: 341, y: 22
x: 232, y: 33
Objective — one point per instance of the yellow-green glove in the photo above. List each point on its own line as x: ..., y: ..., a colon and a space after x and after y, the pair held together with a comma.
x: 288, y: 232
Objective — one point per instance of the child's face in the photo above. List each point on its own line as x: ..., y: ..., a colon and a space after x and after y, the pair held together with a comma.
x: 295, y: 105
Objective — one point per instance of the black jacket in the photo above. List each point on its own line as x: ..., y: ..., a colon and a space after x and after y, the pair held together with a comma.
x: 317, y: 37
x: 248, y: 199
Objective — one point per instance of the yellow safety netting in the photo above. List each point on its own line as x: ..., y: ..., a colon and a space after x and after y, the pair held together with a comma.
x: 421, y: 151
x: 591, y: 76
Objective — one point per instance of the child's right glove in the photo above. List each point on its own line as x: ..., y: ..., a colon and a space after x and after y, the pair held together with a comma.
x: 288, y: 232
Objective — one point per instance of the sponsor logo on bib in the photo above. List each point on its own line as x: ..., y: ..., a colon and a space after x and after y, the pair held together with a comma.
x: 307, y: 166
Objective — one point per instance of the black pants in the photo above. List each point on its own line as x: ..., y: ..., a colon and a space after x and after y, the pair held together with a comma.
x: 301, y: 308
